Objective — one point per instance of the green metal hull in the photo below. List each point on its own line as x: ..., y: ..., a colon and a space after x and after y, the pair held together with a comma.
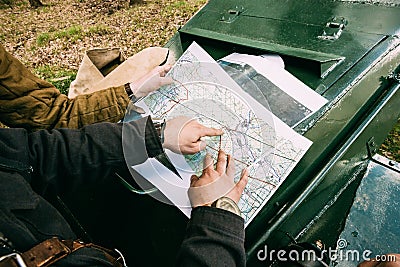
x: 353, y: 72
x: 364, y: 102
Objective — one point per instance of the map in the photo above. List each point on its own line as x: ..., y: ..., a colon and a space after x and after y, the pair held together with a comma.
x: 253, y: 136
x: 264, y: 78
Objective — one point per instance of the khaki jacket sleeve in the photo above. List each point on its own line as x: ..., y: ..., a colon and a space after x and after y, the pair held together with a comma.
x: 32, y: 103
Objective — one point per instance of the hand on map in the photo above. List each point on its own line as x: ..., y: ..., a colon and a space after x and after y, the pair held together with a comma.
x: 218, y: 182
x: 151, y: 81
x: 183, y: 135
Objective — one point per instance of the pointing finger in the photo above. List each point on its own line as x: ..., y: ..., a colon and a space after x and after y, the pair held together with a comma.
x: 165, y: 81
x: 240, y: 186
x: 208, y: 163
x: 238, y: 189
x: 221, y: 162
x: 230, y: 169
x: 206, y: 131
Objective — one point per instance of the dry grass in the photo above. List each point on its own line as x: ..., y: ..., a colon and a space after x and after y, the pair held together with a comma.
x: 391, y: 147
x: 57, y: 34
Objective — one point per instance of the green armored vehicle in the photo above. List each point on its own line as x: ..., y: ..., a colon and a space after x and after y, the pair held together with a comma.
x: 349, y: 53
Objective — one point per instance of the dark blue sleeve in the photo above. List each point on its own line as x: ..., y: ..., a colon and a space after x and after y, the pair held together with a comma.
x: 66, y: 158
x: 214, y: 237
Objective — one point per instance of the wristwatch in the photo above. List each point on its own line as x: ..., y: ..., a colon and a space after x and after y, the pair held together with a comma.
x: 226, y: 203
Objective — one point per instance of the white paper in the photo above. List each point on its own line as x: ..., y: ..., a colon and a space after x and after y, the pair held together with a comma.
x: 288, y: 98
x: 254, y: 137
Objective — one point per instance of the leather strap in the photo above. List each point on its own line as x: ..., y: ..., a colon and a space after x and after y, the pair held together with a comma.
x: 53, y: 250
x: 45, y: 253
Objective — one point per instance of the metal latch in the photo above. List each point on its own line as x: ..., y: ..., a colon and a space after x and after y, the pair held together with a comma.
x: 387, y: 163
x: 333, y: 28
x: 231, y: 14
x: 395, y: 75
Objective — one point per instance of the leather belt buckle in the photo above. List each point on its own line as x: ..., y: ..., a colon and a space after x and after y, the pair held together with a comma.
x: 46, y: 253
x: 15, y: 257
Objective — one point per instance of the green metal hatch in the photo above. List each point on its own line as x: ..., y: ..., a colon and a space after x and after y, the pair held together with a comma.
x: 346, y: 51
x: 329, y: 36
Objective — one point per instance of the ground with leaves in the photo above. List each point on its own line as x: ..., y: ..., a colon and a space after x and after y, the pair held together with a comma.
x: 57, y: 34
x: 391, y: 147
x: 50, y: 40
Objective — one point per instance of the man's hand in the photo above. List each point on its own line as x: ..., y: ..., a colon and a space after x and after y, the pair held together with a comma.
x: 218, y: 182
x: 182, y: 135
x: 151, y: 81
